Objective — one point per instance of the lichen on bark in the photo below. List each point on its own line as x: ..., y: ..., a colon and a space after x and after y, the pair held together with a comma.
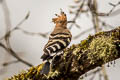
x: 90, y: 53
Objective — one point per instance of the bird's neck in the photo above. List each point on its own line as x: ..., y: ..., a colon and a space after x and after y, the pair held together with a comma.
x: 61, y: 26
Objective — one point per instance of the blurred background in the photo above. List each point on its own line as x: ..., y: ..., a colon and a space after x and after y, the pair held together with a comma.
x: 29, y: 40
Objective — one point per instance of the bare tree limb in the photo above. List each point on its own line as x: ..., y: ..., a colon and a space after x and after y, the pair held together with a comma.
x: 82, y: 33
x: 7, y: 45
x: 77, y: 14
x: 13, y: 53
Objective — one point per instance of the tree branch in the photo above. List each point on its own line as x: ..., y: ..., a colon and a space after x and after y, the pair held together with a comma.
x: 92, y: 52
x: 6, y: 38
x: 13, y: 53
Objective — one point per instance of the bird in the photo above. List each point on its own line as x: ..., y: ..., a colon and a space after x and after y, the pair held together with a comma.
x: 59, y: 39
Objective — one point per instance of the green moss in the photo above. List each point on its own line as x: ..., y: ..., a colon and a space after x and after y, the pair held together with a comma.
x: 76, y: 51
x: 67, y: 50
x: 52, y: 74
x: 101, y: 48
x: 27, y: 75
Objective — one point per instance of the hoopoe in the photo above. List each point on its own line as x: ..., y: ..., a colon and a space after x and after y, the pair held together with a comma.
x: 59, y: 39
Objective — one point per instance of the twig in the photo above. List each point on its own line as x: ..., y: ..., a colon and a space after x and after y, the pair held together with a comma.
x: 8, y: 47
x: 8, y: 63
x: 10, y: 51
x: 16, y: 27
x: 92, y: 4
x: 104, y: 73
x: 44, y: 35
x: 6, y: 15
x: 77, y: 13
x: 105, y: 24
x: 82, y: 33
x: 110, y: 13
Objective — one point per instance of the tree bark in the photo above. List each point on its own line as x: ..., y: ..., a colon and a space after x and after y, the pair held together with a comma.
x: 75, y: 61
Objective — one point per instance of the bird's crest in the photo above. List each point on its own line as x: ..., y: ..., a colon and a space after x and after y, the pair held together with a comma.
x: 60, y: 18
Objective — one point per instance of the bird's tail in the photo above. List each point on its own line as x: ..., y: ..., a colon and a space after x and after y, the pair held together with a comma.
x: 45, y: 57
x: 46, y: 68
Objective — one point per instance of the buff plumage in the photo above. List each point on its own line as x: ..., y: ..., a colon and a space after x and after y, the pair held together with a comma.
x: 59, y: 39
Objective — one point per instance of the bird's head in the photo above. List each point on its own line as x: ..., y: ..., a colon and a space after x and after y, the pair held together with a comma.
x: 61, y: 20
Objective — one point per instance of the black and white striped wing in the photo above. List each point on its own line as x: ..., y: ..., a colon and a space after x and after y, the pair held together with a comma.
x: 57, y: 42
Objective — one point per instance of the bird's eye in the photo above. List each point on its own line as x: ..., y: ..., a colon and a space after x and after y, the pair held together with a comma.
x: 60, y: 21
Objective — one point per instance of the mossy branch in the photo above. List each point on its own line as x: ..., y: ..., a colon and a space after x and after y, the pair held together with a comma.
x: 90, y: 53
